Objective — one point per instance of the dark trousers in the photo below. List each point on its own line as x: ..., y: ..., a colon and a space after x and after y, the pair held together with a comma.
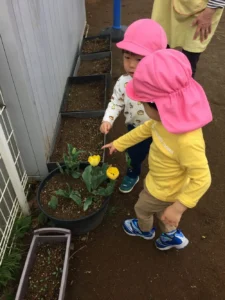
x: 193, y: 59
x: 137, y: 155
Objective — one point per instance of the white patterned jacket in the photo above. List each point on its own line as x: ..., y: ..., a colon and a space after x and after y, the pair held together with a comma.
x: 133, y: 111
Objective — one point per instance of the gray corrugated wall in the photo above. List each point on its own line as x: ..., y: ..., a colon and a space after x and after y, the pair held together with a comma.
x: 46, y: 35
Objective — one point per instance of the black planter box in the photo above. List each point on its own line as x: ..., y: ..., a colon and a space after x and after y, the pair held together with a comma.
x: 91, y: 58
x: 79, y: 81
x: 78, y: 226
x: 106, y: 38
x: 51, y: 165
x: 45, y: 236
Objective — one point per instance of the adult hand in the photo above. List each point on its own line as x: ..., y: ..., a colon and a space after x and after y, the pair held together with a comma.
x: 111, y: 148
x: 204, y: 24
x: 105, y: 127
x: 172, y: 214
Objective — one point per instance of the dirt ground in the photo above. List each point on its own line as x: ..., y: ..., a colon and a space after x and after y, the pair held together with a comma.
x: 113, y: 266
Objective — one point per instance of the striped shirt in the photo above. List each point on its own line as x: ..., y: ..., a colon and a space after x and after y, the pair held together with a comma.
x: 216, y: 3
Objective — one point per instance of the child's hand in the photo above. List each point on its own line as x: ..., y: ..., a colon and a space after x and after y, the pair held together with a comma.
x: 173, y: 213
x: 111, y: 148
x: 105, y: 127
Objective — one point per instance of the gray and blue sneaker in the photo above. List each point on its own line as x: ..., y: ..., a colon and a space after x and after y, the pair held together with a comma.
x: 128, y: 184
x: 131, y: 228
x: 172, y: 239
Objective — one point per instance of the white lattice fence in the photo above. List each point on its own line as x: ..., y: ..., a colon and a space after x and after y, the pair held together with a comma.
x: 13, y: 180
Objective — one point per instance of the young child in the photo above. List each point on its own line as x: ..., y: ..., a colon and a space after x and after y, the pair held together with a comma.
x: 141, y: 38
x: 179, y: 174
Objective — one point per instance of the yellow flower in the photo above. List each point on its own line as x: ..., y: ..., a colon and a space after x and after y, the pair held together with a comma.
x: 112, y: 173
x: 94, y: 160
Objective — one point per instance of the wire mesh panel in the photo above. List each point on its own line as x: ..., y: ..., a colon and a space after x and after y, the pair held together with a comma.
x: 13, y: 179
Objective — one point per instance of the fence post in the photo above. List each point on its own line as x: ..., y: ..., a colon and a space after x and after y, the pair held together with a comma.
x: 13, y: 175
x: 117, y: 30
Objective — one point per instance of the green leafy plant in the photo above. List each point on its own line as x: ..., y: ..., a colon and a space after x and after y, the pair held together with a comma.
x: 99, y: 179
x: 53, y: 203
x: 107, y: 191
x: 94, y: 177
x: 57, y: 272
x: 42, y: 218
x: 88, y: 201
x: 69, y: 193
x: 128, y: 160
x: 71, y: 162
x: 10, y: 266
x: 10, y: 297
x: 21, y: 226
x: 112, y: 210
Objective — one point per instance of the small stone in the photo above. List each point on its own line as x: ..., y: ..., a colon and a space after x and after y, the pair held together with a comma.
x: 72, y: 246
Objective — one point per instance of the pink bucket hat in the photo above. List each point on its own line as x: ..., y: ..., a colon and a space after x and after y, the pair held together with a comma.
x: 143, y: 37
x: 165, y: 78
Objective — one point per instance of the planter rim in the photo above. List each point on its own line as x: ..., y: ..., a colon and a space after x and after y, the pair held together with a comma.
x: 75, y: 115
x: 97, y: 113
x: 42, y: 185
x: 94, y: 56
x: 88, y: 78
x: 105, y: 36
x: 101, y: 36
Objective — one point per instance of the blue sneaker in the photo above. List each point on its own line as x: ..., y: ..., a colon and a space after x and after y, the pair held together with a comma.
x: 128, y: 184
x: 131, y: 228
x: 173, y: 239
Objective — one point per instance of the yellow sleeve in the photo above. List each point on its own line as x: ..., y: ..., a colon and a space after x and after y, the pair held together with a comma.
x: 192, y: 157
x: 134, y: 137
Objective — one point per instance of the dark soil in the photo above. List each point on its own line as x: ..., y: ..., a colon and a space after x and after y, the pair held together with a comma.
x: 114, y: 266
x: 85, y: 96
x: 45, y: 277
x: 96, y: 45
x: 92, y: 67
x: 67, y: 209
x: 83, y: 134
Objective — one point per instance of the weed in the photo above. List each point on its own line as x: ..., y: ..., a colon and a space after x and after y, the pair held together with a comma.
x: 112, y: 211
x: 42, y: 219
x: 10, y: 266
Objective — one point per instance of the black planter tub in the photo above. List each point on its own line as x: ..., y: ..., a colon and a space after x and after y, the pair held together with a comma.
x: 77, y: 226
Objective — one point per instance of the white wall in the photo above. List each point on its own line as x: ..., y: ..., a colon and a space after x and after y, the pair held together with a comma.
x: 39, y: 42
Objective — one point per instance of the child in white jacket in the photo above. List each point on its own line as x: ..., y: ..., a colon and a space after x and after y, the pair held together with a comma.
x: 142, y: 38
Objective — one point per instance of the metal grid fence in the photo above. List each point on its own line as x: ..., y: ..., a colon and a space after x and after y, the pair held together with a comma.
x: 13, y: 180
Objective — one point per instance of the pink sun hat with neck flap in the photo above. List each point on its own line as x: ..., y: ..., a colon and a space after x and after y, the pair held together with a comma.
x: 143, y: 37
x: 165, y: 78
